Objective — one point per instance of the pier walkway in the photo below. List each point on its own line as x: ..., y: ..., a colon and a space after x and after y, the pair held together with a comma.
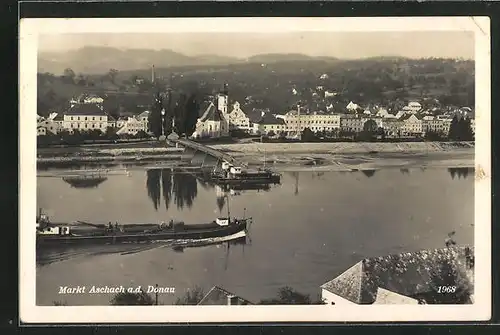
x: 193, y: 148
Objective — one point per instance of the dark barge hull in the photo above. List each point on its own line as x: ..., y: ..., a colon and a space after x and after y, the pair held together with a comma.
x: 247, y: 181
x: 176, y: 234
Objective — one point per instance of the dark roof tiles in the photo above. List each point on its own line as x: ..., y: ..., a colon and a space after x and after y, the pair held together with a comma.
x: 211, y: 113
x: 268, y: 118
x: 407, y: 274
x: 86, y: 109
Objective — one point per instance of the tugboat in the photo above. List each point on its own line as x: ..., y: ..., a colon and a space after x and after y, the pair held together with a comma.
x: 48, y: 233
x: 235, y: 175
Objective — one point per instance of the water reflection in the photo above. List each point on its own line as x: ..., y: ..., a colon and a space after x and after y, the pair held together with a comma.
x: 184, y: 189
x: 181, y: 187
x: 166, y: 184
x: 176, y: 185
x: 295, y: 175
x: 85, y: 181
x: 369, y: 173
x: 462, y: 172
x: 153, y: 186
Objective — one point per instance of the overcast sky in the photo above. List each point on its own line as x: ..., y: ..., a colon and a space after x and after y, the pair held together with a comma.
x: 336, y: 44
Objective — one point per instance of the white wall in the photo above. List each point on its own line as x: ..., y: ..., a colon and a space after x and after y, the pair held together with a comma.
x: 330, y: 297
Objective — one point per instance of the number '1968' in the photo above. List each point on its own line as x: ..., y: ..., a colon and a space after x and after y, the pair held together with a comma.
x: 447, y: 289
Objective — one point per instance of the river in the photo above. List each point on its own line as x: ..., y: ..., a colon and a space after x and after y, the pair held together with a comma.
x: 305, y: 231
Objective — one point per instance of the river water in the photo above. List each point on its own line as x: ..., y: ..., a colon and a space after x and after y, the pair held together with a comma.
x: 305, y: 231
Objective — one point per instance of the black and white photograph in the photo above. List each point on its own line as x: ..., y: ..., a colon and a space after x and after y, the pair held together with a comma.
x: 324, y: 163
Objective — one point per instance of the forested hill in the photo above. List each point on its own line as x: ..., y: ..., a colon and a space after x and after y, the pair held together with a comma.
x: 280, y: 84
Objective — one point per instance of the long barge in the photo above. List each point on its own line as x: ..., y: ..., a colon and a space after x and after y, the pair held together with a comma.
x: 89, y: 233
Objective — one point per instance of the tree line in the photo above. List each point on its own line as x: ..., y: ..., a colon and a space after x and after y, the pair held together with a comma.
x: 174, y: 112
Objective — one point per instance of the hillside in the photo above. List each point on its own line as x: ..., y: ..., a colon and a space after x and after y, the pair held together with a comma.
x: 385, y: 80
x: 97, y: 60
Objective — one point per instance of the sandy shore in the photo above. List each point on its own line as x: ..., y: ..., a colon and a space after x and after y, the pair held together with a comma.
x: 290, y: 156
x: 351, y: 156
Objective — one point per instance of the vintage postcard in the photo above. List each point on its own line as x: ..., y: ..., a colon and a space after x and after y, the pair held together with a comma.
x: 255, y: 170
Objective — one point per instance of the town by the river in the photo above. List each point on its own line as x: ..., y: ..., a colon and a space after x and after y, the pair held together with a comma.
x: 305, y: 231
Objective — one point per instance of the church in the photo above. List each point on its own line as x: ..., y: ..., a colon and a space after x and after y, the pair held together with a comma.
x: 217, y: 121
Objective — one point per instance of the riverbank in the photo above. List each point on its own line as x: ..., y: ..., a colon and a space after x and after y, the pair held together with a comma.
x: 284, y: 156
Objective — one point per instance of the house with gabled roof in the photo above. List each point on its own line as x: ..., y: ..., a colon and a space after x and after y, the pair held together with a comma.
x: 352, y: 107
x: 219, y: 296
x: 412, y: 124
x: 85, y: 117
x: 214, y: 119
x: 410, y: 277
x: 132, y: 125
x: 270, y: 124
x: 211, y: 124
x: 238, y: 119
x: 51, y: 125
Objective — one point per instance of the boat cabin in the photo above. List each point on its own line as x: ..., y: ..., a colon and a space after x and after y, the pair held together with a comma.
x: 226, y: 166
x: 54, y: 231
x: 235, y: 170
x: 222, y: 221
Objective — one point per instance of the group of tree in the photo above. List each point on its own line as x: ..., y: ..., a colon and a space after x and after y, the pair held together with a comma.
x: 174, y: 112
x: 461, y: 129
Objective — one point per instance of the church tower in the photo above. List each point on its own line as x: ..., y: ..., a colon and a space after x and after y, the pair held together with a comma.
x: 222, y: 106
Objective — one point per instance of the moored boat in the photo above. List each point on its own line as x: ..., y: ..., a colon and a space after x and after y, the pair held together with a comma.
x: 234, y: 175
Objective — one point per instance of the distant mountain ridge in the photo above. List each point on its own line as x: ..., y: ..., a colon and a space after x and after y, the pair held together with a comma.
x: 98, y: 60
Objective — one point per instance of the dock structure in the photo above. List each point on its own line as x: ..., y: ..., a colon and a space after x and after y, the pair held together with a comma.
x: 198, y: 153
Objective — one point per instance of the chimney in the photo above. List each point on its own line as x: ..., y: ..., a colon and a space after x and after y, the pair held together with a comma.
x: 232, y: 300
x: 153, y: 74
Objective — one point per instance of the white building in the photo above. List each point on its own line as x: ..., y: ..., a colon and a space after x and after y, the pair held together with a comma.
x: 238, y: 119
x: 413, y: 107
x: 133, y: 125
x: 270, y: 125
x: 412, y: 125
x: 316, y: 121
x: 215, y: 119
x: 435, y: 125
x: 211, y: 123
x: 329, y: 94
x: 85, y: 117
x: 87, y: 99
x: 51, y: 126
x: 351, y: 106
x: 41, y: 131
x: 352, y: 123
x: 392, y: 127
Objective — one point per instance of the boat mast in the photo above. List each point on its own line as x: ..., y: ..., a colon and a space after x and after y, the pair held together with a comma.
x: 228, y: 212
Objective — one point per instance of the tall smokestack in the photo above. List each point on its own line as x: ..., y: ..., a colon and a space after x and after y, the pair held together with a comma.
x: 153, y: 73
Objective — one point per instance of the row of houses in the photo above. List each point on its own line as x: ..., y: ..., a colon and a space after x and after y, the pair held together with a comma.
x: 217, y: 121
x: 91, y: 116
x: 406, y: 278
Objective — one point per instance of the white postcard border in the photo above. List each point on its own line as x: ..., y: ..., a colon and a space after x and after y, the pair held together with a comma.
x: 30, y: 313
